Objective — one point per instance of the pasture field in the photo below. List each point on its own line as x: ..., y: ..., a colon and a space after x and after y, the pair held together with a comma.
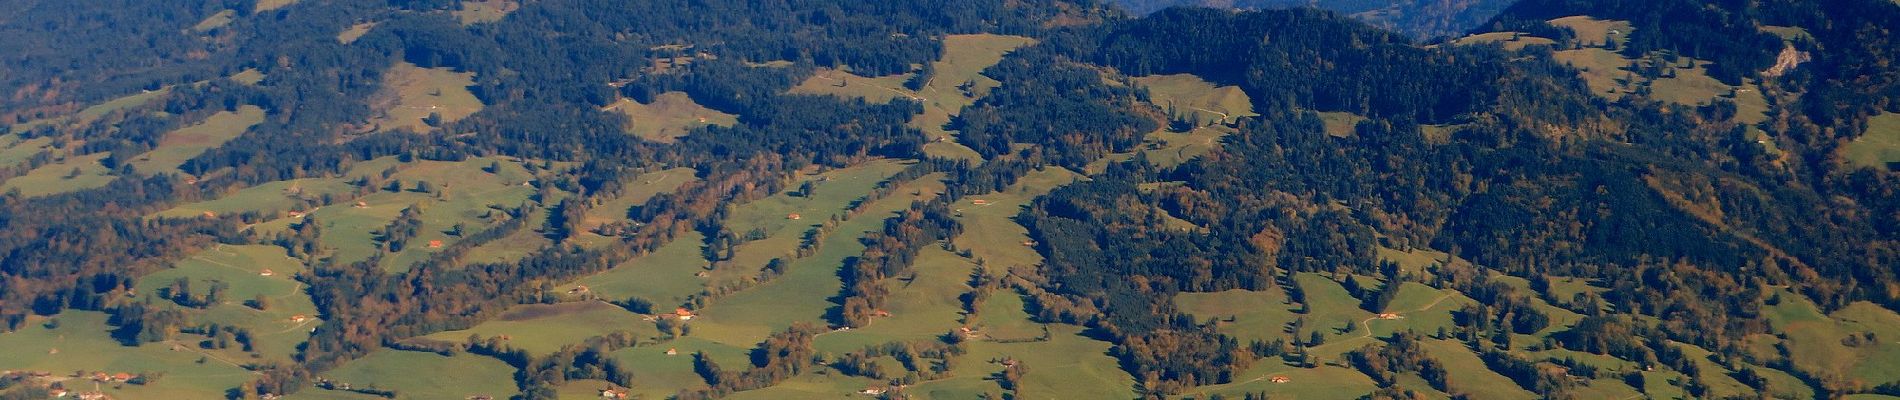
x: 1167, y: 148
x: 1070, y: 365
x: 75, y: 173
x: 841, y: 83
x: 832, y: 194
x: 267, y: 5
x: 638, y: 191
x: 657, y: 375
x: 543, y: 328
x: 215, y: 21
x: 1593, y: 32
x: 1187, y: 95
x: 411, y: 94
x: 955, y: 83
x: 349, y: 35
x: 1005, y: 317
x: 93, y: 113
x: 1878, y: 146
x: 419, y: 375
x: 270, y: 197
x: 242, y: 267
x: 1420, y: 309
x: 249, y: 76
x: 465, y: 194
x: 1341, y: 124
x: 1326, y: 382
x: 923, y: 305
x: 1565, y: 289
x: 1816, y: 341
x: 664, y: 276
x: 181, y: 145
x: 811, y: 386
x: 1468, y: 373
x: 17, y: 150
x: 480, y: 11
x: 670, y: 116
x: 1512, y: 41
x: 1246, y: 315
x: 1791, y: 33
x: 804, y: 291
x: 1414, y: 261
x: 1721, y: 382
x: 82, y: 342
x: 1604, y: 71
x: 583, y: 389
x: 990, y: 230
x: 1329, y: 310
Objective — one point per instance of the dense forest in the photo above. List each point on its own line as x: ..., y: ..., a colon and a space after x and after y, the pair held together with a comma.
x: 1503, y: 161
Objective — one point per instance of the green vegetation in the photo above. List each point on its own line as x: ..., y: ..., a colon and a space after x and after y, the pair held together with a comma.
x: 183, y: 144
x: 248, y: 273
x: 658, y: 374
x: 923, y: 306
x: 1878, y: 146
x: 249, y: 76
x: 955, y: 82
x: 480, y: 11
x: 1821, y: 342
x: 73, y: 173
x: 1189, y: 96
x: 1341, y: 124
x: 1246, y: 315
x: 1469, y: 375
x: 19, y: 151
x: 1593, y: 32
x: 267, y: 5
x: 418, y: 375
x: 462, y: 192
x: 990, y: 230
x: 215, y: 21
x: 802, y: 293
x: 1512, y: 41
x: 82, y: 342
x: 665, y: 276
x: 543, y: 328
x: 671, y: 116
x: 349, y: 35
x: 420, y: 98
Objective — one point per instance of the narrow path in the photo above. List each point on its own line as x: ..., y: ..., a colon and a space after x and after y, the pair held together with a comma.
x: 1365, y: 326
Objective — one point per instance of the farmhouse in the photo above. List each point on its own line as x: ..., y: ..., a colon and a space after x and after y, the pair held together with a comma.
x: 1279, y: 379
x: 980, y: 202
x: 435, y: 244
x: 265, y: 272
x: 792, y: 216
x: 1389, y: 316
x: 672, y: 351
x: 683, y: 314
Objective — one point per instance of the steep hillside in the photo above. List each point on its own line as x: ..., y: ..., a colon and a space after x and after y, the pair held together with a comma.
x: 815, y: 199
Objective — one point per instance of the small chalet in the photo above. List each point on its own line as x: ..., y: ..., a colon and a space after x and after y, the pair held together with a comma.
x: 793, y: 216
x: 1279, y: 379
